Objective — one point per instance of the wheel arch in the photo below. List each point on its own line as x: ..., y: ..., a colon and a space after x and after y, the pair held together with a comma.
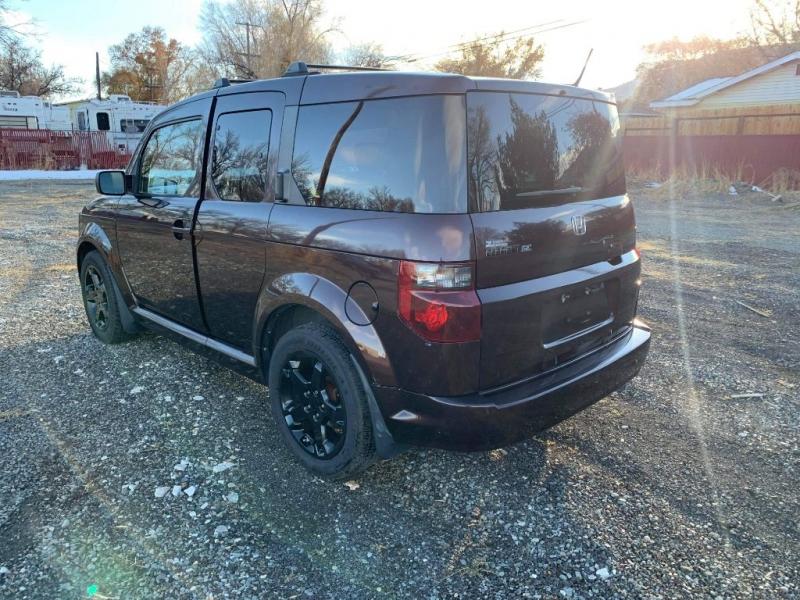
x: 94, y: 238
x: 297, y: 298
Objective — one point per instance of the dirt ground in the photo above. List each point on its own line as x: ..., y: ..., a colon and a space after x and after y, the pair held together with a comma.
x: 682, y: 485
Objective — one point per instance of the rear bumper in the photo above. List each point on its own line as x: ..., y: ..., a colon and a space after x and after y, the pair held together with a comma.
x: 500, y: 418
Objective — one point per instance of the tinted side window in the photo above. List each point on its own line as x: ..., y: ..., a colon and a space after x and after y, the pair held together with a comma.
x: 239, y: 165
x: 401, y: 154
x: 170, y: 163
x: 533, y: 150
x: 103, y: 123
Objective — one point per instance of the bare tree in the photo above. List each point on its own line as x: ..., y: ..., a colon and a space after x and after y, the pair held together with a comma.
x: 368, y: 54
x: 775, y: 22
x: 496, y: 57
x: 21, y: 69
x: 8, y: 32
x: 259, y: 38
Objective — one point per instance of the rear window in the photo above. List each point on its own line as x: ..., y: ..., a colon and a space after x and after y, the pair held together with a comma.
x: 400, y: 154
x: 527, y: 150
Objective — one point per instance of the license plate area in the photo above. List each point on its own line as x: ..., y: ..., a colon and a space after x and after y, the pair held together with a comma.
x: 573, y: 314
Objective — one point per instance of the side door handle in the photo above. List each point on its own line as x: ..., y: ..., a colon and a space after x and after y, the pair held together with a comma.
x: 178, y: 229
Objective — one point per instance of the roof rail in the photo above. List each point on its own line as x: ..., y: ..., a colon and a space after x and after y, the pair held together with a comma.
x: 225, y: 82
x: 301, y: 68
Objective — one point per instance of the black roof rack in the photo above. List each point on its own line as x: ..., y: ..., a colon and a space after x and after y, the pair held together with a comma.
x: 300, y: 68
x: 225, y: 82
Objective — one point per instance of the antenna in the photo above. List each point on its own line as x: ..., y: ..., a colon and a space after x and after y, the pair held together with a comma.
x: 583, y: 70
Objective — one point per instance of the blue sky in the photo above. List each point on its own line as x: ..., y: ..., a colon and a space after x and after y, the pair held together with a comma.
x: 69, y: 32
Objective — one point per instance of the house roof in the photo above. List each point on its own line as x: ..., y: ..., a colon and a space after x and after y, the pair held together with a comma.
x: 694, y: 94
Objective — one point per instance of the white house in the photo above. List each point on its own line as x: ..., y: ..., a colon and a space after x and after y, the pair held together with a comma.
x: 772, y: 84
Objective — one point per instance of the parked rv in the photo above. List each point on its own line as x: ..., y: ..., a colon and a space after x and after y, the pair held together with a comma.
x: 31, y: 112
x: 123, y: 119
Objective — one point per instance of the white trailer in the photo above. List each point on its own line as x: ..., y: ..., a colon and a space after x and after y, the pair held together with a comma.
x: 31, y: 112
x: 123, y: 119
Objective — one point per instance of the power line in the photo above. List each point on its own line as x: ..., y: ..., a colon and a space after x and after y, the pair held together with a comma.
x: 501, y: 35
x: 502, y: 38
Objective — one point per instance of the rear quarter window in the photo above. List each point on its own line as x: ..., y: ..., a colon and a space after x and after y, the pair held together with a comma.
x: 527, y: 150
x: 398, y: 155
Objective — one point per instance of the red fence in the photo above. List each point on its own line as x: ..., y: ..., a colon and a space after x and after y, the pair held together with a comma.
x: 58, y: 150
x: 751, y: 158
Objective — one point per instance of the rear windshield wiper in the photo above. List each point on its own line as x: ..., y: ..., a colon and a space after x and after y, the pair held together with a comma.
x: 537, y: 193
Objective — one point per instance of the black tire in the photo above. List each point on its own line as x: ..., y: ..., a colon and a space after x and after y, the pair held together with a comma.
x: 100, y: 301
x: 354, y: 449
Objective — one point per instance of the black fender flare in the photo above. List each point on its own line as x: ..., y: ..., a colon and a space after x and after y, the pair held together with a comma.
x: 94, y: 235
x: 366, y: 349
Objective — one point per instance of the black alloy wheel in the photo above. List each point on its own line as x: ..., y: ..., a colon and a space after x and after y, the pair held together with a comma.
x: 312, y: 405
x: 96, y: 296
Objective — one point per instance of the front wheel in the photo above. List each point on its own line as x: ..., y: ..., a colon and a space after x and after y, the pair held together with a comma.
x: 319, y: 402
x: 99, y: 300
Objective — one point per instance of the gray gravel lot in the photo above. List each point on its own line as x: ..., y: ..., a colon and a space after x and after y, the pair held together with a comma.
x: 673, y: 487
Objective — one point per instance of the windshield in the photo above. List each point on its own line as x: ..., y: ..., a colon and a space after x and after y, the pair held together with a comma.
x: 531, y: 150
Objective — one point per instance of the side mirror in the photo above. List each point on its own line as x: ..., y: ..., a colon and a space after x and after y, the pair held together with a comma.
x: 110, y: 183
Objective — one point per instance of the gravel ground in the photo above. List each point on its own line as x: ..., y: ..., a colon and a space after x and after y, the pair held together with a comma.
x: 674, y: 487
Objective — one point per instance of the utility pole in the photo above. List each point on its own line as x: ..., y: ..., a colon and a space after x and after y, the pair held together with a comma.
x: 151, y: 86
x: 247, y: 25
x: 97, y: 73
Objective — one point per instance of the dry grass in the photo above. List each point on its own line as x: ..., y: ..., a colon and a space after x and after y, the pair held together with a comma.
x: 708, y: 179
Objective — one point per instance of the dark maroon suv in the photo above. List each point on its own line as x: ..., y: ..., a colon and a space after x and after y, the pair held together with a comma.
x: 403, y: 258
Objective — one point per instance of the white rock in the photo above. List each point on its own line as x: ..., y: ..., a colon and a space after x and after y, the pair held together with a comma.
x: 137, y: 390
x: 192, y: 514
x: 603, y: 573
x: 233, y: 497
x: 204, y: 506
x: 189, y: 491
x: 176, y: 490
x: 223, y: 466
x: 198, y: 398
x: 220, y: 530
x: 181, y: 466
x: 161, y: 491
x: 352, y: 485
x: 4, y: 571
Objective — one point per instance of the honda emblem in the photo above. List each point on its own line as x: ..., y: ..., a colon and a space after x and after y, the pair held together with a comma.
x: 579, y: 224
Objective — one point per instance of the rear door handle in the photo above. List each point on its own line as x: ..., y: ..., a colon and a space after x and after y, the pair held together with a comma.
x: 178, y: 229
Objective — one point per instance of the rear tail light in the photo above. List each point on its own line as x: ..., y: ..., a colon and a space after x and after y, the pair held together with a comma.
x: 438, y: 301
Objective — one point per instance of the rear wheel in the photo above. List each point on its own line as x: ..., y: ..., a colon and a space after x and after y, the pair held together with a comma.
x: 319, y: 402
x: 99, y: 300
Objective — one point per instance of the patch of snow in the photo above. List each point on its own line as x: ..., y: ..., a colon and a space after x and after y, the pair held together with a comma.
x: 223, y: 466
x: 137, y: 390
x: 603, y: 573
x: 220, y: 530
x: 34, y: 174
